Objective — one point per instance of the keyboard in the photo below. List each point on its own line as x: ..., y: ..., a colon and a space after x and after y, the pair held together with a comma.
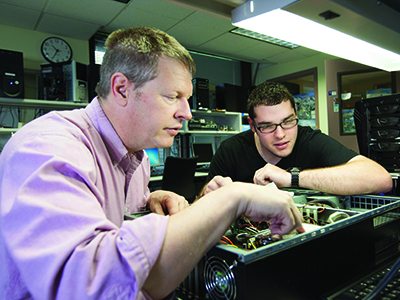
x: 383, y: 284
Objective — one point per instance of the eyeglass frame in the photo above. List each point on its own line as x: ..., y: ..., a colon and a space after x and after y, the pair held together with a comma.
x: 276, y: 125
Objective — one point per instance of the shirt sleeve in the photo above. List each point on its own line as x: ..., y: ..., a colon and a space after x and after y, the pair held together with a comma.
x: 328, y: 151
x: 56, y: 230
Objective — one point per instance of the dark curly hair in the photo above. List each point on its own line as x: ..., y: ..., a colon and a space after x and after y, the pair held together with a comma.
x: 269, y: 93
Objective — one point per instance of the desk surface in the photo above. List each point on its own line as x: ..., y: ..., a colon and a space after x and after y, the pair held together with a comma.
x: 159, y: 178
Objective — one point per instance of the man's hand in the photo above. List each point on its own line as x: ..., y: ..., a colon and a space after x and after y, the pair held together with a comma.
x: 271, y: 173
x: 271, y: 205
x: 215, y: 184
x: 164, y: 203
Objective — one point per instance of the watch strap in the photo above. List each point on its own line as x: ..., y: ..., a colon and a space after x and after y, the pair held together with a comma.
x: 295, y: 177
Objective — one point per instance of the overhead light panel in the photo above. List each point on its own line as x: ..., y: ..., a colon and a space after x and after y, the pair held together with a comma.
x: 263, y: 37
x: 268, y: 18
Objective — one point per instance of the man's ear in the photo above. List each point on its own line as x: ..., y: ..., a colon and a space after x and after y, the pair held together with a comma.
x: 251, y: 124
x: 119, y: 88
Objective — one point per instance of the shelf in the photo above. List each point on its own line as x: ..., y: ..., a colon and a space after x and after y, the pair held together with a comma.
x: 8, y: 130
x: 31, y: 103
x: 210, y: 132
x: 231, y: 120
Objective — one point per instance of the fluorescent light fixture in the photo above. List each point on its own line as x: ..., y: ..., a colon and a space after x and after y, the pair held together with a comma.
x: 264, y: 38
x: 210, y: 55
x: 267, y: 17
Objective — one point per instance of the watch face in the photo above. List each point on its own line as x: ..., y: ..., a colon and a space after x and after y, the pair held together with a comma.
x: 56, y: 50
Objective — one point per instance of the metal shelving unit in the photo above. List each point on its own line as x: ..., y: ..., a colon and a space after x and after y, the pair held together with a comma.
x: 36, y: 104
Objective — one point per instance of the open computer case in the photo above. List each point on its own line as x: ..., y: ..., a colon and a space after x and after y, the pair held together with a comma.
x: 350, y: 236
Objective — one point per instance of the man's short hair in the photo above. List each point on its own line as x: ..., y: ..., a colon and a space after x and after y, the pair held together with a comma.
x: 135, y: 52
x: 269, y: 93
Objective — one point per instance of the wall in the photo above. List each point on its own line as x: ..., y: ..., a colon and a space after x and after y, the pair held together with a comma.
x: 217, y: 70
x: 29, y: 42
x: 332, y: 67
x: 317, y: 61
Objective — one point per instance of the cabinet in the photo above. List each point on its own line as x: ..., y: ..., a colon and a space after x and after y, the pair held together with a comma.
x: 207, y: 126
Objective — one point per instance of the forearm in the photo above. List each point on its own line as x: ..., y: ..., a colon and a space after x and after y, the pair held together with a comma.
x: 359, y: 176
x: 189, y: 235
x: 196, y: 229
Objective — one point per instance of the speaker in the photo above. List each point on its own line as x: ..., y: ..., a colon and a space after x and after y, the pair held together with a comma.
x: 232, y: 97
x: 11, y: 74
x: 201, y: 93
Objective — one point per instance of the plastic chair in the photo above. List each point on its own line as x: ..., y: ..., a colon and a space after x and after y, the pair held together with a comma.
x: 178, y: 176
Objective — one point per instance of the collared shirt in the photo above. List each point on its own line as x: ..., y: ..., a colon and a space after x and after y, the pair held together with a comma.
x: 66, y: 182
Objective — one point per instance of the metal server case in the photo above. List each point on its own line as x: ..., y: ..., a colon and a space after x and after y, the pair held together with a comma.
x: 377, y: 122
x: 303, y: 266
x: 64, y: 82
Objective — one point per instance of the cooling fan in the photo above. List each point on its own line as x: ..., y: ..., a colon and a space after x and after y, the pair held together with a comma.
x: 219, y: 280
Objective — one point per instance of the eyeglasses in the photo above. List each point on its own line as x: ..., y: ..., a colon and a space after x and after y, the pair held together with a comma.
x: 272, y: 127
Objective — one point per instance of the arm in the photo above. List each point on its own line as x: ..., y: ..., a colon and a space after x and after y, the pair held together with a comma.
x: 196, y: 229
x: 360, y: 175
x: 63, y: 219
x: 214, y: 184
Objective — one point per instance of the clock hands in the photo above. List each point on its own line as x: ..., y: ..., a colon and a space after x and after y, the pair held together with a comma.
x: 57, y: 50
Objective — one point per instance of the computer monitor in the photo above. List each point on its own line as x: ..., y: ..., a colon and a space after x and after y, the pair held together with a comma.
x: 204, y: 151
x: 245, y: 127
x: 153, y: 156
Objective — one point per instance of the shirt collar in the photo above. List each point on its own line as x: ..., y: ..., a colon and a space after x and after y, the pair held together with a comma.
x: 118, y: 152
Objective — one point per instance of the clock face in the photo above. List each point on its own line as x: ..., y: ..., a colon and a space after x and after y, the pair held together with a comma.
x: 56, y: 50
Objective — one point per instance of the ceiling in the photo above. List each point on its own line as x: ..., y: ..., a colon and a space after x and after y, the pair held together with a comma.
x: 202, y: 25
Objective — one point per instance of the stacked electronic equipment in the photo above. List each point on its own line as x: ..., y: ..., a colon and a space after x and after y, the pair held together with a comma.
x: 64, y: 82
x: 377, y: 122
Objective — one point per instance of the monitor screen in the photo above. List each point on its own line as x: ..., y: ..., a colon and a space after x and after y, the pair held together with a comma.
x: 153, y: 156
x: 246, y: 127
x: 204, y: 151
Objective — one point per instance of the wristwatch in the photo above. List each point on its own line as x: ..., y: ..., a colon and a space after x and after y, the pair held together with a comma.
x: 295, y: 177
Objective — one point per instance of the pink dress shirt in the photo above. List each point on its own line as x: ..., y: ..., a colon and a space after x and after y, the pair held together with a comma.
x: 66, y: 182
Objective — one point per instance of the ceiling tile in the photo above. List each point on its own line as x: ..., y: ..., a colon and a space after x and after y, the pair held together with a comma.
x: 228, y: 43
x: 160, y: 8
x: 67, y: 27
x: 261, y: 52
x: 103, y: 11
x: 307, y: 51
x: 286, y: 56
x: 130, y: 18
x: 18, y: 16
x: 199, y: 28
x: 35, y: 5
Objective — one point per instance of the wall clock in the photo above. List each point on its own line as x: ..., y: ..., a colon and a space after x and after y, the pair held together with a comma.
x: 56, y: 50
